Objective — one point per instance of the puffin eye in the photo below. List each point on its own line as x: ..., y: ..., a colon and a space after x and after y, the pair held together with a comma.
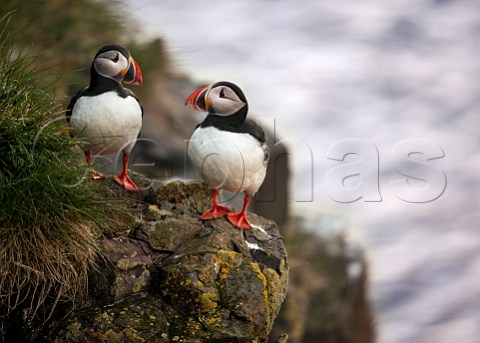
x: 116, y: 58
x: 222, y: 93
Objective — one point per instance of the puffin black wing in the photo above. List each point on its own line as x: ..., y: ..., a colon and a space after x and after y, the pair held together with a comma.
x: 247, y: 126
x: 132, y: 94
x: 252, y: 128
x: 72, y: 103
x: 256, y: 131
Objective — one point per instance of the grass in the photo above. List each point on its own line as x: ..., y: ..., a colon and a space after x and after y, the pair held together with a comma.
x: 50, y: 221
x: 49, y: 232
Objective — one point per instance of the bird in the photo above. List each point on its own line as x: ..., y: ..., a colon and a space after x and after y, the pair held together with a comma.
x: 105, y: 115
x: 228, y: 150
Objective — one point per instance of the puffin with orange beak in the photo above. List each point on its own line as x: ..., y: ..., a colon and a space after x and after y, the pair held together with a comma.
x: 228, y: 150
x: 107, y: 116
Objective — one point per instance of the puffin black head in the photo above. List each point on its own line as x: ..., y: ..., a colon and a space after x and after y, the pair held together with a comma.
x: 116, y: 63
x: 222, y: 98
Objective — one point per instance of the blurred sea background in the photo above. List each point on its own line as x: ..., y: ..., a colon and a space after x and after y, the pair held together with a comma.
x: 377, y: 74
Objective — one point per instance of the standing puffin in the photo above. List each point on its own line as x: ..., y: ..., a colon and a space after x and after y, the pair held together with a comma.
x: 228, y: 150
x: 105, y: 114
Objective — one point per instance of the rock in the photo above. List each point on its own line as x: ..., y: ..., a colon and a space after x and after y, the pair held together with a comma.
x: 177, y: 278
x: 327, y: 298
x: 128, y: 266
x: 139, y: 319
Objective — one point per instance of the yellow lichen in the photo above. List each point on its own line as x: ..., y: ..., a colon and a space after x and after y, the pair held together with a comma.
x: 124, y: 264
x: 212, y: 321
x: 103, y: 315
x: 131, y: 334
x: 112, y: 336
x: 223, y: 273
x: 276, y: 288
x: 283, y: 338
x: 154, y: 210
x: 275, y: 291
x: 226, y: 261
x: 256, y: 268
x: 128, y: 333
x: 157, y: 213
x: 72, y: 331
x: 208, y: 302
x: 229, y: 258
x: 141, y: 281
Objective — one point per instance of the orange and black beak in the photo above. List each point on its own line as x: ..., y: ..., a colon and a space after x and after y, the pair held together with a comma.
x: 197, y: 100
x: 134, y: 74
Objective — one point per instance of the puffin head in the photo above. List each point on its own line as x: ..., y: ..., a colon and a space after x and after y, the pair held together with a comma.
x: 222, y: 98
x: 115, y: 62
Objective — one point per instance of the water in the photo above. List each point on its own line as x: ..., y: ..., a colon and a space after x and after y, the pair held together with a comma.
x: 374, y: 74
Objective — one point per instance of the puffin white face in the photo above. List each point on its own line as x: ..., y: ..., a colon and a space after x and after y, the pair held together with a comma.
x: 223, y: 100
x: 111, y: 64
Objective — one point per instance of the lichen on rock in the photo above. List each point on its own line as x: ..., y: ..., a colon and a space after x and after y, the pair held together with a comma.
x: 178, y: 279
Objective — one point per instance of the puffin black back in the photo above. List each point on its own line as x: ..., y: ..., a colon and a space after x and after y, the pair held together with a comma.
x: 247, y: 126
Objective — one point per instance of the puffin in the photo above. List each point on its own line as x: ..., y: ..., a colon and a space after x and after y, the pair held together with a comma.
x: 105, y: 115
x: 228, y: 150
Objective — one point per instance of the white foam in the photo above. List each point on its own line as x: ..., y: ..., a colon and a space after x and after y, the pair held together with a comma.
x: 254, y: 246
x: 259, y: 228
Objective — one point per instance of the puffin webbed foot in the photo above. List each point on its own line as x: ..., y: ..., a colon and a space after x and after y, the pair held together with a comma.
x: 216, y: 211
x: 96, y: 175
x: 239, y: 220
x: 127, y: 183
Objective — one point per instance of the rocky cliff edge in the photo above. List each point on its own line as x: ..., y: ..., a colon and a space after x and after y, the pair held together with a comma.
x: 170, y: 277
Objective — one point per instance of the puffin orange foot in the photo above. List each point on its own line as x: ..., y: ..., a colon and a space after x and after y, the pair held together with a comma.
x: 96, y: 175
x: 216, y: 211
x: 239, y: 220
x: 126, y: 182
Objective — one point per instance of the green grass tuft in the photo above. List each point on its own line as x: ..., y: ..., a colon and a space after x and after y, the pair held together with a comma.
x: 50, y: 220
